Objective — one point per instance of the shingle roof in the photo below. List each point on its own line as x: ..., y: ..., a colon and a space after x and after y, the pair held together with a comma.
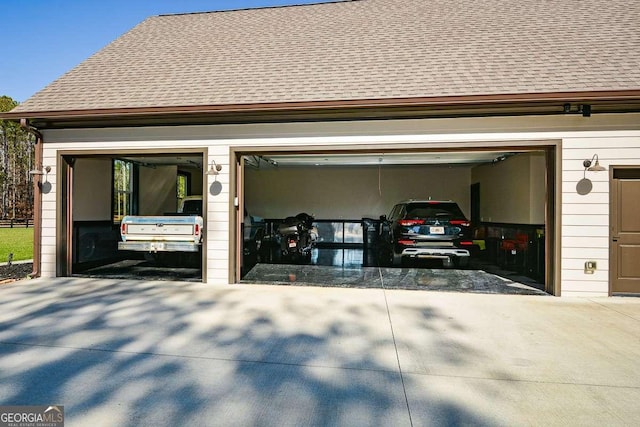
x: 358, y: 50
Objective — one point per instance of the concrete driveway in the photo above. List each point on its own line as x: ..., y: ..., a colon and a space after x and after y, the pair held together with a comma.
x: 176, y: 353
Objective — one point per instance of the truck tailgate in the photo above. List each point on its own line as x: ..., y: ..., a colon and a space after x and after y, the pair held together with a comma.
x: 158, y: 230
x: 161, y: 228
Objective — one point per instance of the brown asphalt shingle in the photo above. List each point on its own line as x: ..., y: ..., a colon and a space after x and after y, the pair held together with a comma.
x: 358, y: 50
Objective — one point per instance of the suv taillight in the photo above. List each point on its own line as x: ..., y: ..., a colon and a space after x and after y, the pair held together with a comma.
x: 123, y: 228
x: 409, y: 222
x: 406, y: 242
x: 461, y: 222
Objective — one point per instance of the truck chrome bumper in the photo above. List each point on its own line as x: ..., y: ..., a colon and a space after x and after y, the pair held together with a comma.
x: 159, y: 246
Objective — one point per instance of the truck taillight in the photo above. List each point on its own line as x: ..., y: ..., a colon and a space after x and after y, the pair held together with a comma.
x: 123, y: 228
x: 409, y: 222
x: 197, y: 229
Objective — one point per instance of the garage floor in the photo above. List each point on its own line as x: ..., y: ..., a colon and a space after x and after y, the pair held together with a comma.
x: 343, y: 268
x: 141, y: 269
x: 388, y: 278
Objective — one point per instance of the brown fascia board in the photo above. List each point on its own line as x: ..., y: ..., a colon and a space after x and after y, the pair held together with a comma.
x: 532, y: 103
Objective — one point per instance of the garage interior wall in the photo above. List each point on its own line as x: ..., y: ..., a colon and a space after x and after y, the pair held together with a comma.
x: 350, y: 192
x: 196, y: 179
x: 92, y: 180
x: 157, y: 190
x: 512, y: 191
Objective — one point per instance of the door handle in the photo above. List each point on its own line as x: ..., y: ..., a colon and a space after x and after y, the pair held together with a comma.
x: 615, y: 238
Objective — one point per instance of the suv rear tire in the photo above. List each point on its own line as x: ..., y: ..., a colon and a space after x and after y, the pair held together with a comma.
x: 461, y: 262
x: 396, y: 259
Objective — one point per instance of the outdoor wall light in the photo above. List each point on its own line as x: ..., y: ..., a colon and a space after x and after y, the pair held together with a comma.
x: 45, y: 186
x: 214, y: 169
x: 593, y: 167
x: 44, y: 171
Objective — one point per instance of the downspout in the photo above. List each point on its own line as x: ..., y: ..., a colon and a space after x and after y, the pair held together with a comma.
x: 37, y: 199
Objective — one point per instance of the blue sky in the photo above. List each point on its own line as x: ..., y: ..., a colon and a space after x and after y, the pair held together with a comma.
x: 43, y: 39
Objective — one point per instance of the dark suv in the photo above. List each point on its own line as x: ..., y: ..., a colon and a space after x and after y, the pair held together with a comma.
x: 430, y: 229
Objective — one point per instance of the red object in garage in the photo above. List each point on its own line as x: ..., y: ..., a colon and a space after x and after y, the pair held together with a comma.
x: 511, y: 248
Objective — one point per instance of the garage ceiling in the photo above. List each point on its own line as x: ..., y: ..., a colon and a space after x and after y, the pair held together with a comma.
x: 368, y: 159
x: 184, y: 160
x: 468, y: 158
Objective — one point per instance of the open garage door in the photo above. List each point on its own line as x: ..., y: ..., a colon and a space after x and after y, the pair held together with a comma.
x: 351, y: 196
x: 101, y: 190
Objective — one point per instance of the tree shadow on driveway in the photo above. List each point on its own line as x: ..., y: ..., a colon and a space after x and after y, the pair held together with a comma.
x: 174, y: 353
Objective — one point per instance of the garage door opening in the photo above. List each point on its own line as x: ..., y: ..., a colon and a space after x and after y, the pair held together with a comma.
x: 505, y: 193
x: 121, y: 216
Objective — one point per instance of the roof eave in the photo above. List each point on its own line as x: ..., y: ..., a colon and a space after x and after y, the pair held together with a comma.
x: 443, y: 106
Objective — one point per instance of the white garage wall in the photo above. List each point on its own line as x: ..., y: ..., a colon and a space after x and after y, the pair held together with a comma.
x: 93, y: 181
x: 350, y: 192
x: 585, y: 218
x: 195, y: 179
x: 605, y: 133
x: 521, y: 198
x: 157, y: 190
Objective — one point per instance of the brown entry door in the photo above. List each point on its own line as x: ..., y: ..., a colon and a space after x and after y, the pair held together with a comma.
x: 625, y: 231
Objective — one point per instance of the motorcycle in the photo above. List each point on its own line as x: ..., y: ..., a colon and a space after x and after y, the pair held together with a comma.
x: 298, y: 237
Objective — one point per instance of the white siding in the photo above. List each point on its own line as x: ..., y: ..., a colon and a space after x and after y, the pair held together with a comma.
x: 615, y: 138
x: 48, y: 244
x: 585, y: 218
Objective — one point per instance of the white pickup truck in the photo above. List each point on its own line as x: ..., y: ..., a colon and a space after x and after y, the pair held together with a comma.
x: 181, y: 232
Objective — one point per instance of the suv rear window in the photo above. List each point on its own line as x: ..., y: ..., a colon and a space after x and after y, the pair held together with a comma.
x: 434, y: 210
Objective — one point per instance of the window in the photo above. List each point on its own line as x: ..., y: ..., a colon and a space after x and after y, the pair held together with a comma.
x: 395, y: 212
x: 182, y: 185
x: 433, y: 210
x: 123, y: 185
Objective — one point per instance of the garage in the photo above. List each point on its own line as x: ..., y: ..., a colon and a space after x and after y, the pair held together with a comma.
x: 100, y: 189
x: 342, y: 120
x: 501, y: 190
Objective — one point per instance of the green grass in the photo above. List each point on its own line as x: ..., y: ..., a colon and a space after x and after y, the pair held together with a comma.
x: 18, y: 241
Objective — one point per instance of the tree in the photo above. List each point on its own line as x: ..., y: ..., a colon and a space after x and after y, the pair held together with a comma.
x: 16, y: 160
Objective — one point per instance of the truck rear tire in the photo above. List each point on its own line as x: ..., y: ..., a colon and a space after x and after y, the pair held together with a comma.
x: 151, y: 257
